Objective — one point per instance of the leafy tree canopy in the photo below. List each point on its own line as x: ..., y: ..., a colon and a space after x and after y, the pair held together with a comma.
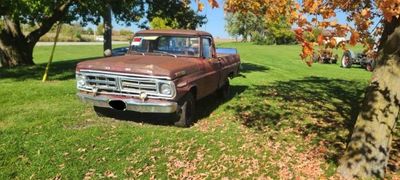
x: 175, y: 13
x: 160, y: 23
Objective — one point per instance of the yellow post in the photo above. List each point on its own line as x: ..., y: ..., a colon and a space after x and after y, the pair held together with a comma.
x: 52, y: 53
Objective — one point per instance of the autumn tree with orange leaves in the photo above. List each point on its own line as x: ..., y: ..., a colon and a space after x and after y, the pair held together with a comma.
x: 368, y: 150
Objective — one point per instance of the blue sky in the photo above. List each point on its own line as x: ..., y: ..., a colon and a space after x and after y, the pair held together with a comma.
x: 215, y: 24
x: 216, y: 21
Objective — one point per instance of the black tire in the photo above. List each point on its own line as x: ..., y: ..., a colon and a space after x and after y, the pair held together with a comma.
x: 321, y: 60
x: 346, y: 60
x: 225, y: 91
x: 370, y: 66
x: 315, y: 57
x: 334, y: 60
x: 187, y: 111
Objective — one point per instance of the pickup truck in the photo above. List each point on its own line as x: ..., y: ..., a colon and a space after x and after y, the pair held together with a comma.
x: 164, y: 71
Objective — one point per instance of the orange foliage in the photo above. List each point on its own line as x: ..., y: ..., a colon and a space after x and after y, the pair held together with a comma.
x: 307, y: 50
x: 354, y: 37
x: 311, y: 5
x: 323, y: 12
x: 332, y: 43
x: 200, y: 6
x: 213, y: 3
x: 320, y: 39
x: 390, y: 8
x: 359, y: 14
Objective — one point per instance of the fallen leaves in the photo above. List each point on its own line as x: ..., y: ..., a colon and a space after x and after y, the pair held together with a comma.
x: 81, y: 150
x: 89, y: 175
x: 110, y: 174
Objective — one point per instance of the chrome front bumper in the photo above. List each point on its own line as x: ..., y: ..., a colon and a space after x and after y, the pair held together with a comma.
x: 131, y: 104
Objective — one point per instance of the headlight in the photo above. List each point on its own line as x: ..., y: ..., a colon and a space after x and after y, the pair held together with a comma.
x: 80, y: 80
x: 165, y: 89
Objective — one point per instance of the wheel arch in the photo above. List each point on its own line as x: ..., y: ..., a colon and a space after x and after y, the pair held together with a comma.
x: 193, y: 90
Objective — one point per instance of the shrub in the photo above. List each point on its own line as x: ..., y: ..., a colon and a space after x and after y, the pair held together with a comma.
x: 260, y: 39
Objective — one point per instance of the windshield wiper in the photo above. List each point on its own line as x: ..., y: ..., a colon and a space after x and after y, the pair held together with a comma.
x: 163, y: 52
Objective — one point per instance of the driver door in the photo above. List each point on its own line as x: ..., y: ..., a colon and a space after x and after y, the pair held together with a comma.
x: 211, y: 66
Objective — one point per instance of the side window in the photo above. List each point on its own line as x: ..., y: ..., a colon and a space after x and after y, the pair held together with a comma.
x: 206, y: 48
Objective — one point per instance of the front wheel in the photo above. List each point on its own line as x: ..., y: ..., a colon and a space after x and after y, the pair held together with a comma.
x: 225, y: 91
x: 346, y: 60
x: 186, y: 114
x: 370, y: 66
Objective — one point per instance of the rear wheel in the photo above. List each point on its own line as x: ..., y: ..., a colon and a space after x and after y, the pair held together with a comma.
x: 315, y: 57
x: 334, y: 59
x: 346, y: 60
x: 225, y: 91
x: 186, y: 114
x: 370, y: 66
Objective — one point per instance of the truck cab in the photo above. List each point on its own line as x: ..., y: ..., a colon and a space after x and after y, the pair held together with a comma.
x: 164, y: 71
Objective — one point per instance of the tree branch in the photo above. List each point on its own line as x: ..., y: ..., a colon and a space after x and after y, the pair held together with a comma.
x: 13, y: 27
x: 46, y: 25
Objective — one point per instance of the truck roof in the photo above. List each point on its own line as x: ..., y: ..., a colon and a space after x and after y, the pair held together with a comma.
x: 173, y: 32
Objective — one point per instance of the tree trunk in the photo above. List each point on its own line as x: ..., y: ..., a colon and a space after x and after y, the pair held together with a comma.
x: 367, y: 153
x: 17, y: 49
x: 14, y: 46
x: 107, y: 46
x: 19, y: 53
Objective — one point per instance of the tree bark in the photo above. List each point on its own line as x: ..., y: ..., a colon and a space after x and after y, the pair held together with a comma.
x: 17, y: 48
x: 107, y: 44
x: 368, y: 151
x: 13, y: 44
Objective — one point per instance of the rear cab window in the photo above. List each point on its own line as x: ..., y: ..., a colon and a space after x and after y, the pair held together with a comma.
x: 207, y: 48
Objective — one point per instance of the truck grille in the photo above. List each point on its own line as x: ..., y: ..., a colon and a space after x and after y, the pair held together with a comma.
x: 124, y: 85
x: 102, y: 82
x: 139, y: 85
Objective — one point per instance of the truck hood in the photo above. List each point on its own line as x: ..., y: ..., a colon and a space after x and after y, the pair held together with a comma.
x: 144, y: 65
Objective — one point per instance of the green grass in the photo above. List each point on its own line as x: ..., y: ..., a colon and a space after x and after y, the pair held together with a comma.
x: 285, y: 120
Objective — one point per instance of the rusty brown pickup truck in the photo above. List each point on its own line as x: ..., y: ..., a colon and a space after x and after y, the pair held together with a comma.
x: 164, y: 71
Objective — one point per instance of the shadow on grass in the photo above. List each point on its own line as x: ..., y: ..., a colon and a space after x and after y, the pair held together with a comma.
x: 65, y: 70
x: 204, y: 108
x: 326, y: 108
x: 60, y: 70
x: 250, y: 67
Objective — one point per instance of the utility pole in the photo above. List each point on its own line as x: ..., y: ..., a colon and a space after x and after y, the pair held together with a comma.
x: 46, y: 71
x: 107, y: 43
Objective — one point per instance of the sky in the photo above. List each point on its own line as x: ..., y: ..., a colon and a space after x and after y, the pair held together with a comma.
x: 215, y: 24
x: 216, y: 20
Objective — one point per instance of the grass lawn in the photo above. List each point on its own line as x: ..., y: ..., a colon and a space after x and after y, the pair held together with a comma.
x: 285, y: 120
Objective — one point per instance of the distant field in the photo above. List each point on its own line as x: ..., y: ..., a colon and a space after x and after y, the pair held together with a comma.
x: 285, y: 120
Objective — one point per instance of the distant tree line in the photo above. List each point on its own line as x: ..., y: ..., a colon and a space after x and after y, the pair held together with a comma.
x: 250, y: 27
x: 75, y: 32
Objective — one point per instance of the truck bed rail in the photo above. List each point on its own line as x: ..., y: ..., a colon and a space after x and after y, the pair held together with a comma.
x: 226, y: 51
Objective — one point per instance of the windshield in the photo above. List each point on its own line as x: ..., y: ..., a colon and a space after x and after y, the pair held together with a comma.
x: 167, y: 45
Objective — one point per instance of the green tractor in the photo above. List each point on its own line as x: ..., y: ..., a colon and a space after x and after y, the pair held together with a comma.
x: 366, y: 60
